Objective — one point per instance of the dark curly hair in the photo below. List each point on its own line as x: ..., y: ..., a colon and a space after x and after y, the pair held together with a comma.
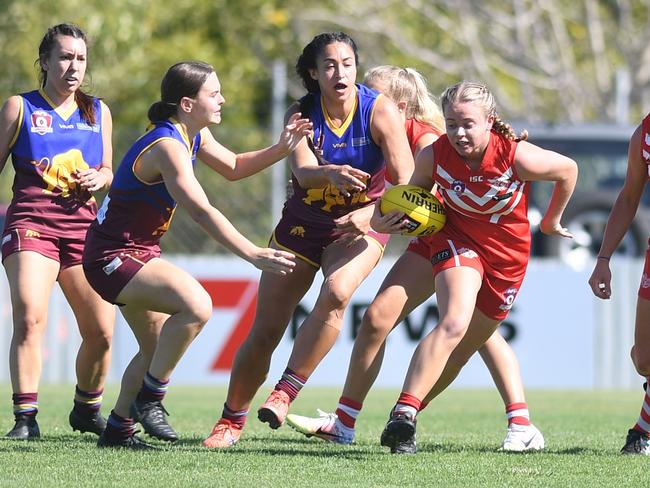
x: 307, y: 60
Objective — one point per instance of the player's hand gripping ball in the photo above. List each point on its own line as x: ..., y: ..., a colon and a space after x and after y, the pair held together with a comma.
x: 422, y: 210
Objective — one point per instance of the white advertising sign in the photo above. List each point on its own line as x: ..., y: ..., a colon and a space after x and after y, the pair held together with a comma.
x: 562, y: 335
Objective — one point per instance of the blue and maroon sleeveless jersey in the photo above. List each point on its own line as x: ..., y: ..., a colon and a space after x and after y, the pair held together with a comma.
x: 48, y: 147
x: 137, y: 213
x: 349, y: 144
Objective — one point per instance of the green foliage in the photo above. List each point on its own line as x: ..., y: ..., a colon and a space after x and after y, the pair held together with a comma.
x: 554, y: 61
x: 132, y: 43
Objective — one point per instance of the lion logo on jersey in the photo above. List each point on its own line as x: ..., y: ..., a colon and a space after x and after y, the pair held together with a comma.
x: 58, y: 173
x: 165, y: 226
x: 332, y: 196
x: 297, y: 230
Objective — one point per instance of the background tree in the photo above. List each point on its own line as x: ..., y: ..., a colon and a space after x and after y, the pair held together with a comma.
x: 546, y: 60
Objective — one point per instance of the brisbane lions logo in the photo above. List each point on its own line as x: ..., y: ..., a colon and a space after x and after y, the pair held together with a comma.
x: 58, y: 173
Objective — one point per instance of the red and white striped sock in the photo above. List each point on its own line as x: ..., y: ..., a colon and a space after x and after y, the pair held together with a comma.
x: 643, y: 424
x: 407, y: 404
x: 347, y: 411
x: 517, y: 413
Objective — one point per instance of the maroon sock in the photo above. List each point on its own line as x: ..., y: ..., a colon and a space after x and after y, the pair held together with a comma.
x: 291, y: 383
x: 235, y: 417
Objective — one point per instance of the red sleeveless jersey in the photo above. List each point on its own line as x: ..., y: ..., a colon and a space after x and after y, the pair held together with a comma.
x: 416, y: 129
x: 488, y: 206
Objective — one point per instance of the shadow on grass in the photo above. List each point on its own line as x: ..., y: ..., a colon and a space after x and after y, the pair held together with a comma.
x: 280, y: 446
x: 285, y: 446
x: 457, y: 448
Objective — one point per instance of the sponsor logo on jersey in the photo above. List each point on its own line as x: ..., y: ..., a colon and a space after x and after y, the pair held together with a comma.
x: 468, y: 253
x: 297, y: 230
x: 360, y: 141
x: 508, y: 298
x: 112, y: 266
x: 84, y: 126
x: 32, y: 234
x: 339, y: 145
x: 476, y: 179
x: 441, y: 256
x: 645, y: 281
x: 499, y: 183
x: 458, y: 187
x: 64, y: 126
x: 41, y: 122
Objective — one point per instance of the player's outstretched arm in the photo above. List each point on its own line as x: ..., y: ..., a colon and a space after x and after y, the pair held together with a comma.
x: 234, y: 166
x: 171, y: 160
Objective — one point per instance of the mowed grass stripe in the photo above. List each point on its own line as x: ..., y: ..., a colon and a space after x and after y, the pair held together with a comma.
x: 458, y: 438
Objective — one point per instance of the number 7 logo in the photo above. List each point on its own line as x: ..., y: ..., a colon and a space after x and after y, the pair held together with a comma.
x: 240, y: 295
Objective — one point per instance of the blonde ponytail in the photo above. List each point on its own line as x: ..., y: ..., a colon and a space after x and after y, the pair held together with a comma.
x: 406, y: 84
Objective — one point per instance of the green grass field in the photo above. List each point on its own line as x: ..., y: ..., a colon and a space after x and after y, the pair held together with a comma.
x: 458, y: 437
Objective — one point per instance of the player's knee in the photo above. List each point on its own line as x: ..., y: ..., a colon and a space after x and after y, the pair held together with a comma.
x: 201, y: 309
x: 28, y: 328
x: 453, y: 328
x: 375, y: 321
x: 335, y: 293
x: 99, y: 342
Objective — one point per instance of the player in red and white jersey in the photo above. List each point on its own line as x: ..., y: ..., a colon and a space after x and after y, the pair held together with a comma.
x: 620, y: 218
x: 479, y: 258
x: 424, y: 124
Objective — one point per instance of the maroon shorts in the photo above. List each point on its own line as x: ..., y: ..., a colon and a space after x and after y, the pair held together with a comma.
x: 644, y: 287
x: 307, y: 238
x: 67, y: 251
x: 109, y: 275
x: 496, y: 295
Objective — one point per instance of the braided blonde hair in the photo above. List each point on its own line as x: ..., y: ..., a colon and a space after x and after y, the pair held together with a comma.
x: 406, y: 84
x: 479, y: 94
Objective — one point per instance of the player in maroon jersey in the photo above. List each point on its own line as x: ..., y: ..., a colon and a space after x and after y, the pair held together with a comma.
x: 59, y: 139
x: 623, y: 212
x: 358, y: 138
x: 479, y: 258
x: 164, y: 305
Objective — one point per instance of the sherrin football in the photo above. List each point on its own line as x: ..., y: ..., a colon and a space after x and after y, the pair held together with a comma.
x: 423, y: 211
